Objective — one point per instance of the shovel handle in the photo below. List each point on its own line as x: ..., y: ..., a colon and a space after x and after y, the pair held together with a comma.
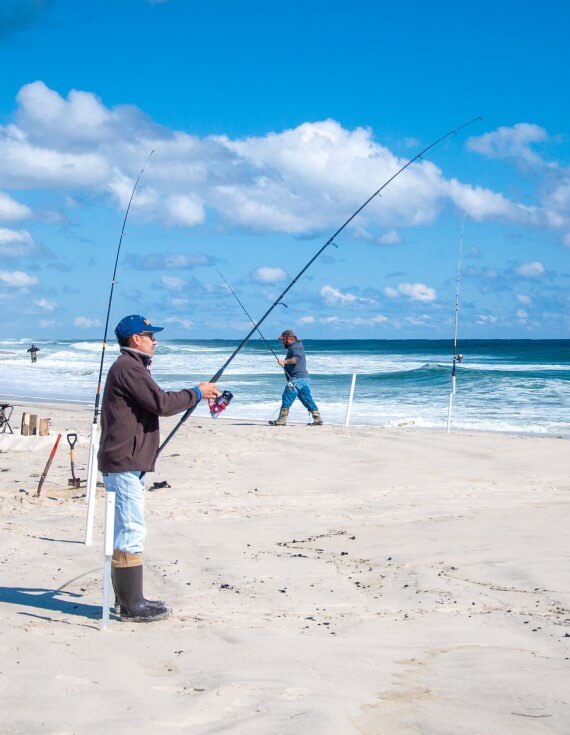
x: 72, y: 438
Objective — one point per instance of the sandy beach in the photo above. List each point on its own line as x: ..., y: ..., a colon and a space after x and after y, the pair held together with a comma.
x: 323, y: 581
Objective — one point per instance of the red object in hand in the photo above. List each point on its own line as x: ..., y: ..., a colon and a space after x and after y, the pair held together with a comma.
x: 219, y: 404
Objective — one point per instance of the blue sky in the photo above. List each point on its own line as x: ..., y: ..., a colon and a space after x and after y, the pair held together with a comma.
x: 272, y: 123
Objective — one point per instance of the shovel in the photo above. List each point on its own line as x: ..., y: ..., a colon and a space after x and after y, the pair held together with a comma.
x: 73, y: 481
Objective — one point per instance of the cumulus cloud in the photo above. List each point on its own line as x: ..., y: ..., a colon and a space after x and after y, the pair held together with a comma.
x: 414, y: 291
x: 306, y: 320
x: 10, y: 209
x: 84, y: 322
x: 510, y: 143
x: 17, y: 279
x: 268, y: 274
x: 334, y: 296
x: 16, y: 243
x: 299, y: 181
x: 535, y: 269
x: 522, y: 314
x: 483, y: 319
x: 523, y: 298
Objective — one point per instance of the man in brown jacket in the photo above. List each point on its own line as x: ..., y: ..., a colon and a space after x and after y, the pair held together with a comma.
x: 131, y: 406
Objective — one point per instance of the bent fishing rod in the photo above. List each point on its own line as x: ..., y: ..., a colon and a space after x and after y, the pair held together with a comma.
x: 329, y: 242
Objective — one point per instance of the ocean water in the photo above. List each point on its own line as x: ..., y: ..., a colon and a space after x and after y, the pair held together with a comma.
x: 520, y: 386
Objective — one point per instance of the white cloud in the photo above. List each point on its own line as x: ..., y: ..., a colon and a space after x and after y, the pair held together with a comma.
x: 481, y: 204
x: 16, y: 243
x: 18, y: 279
x: 335, y: 296
x: 391, y: 293
x: 186, y: 323
x: 173, y: 283
x: 294, y: 181
x: 535, y: 269
x: 84, y: 322
x: 486, y: 319
x: 185, y: 211
x: 510, y: 143
x: 45, y: 304
x: 390, y: 238
x: 10, y: 209
x: 47, y: 323
x: 566, y: 240
x: 267, y: 274
x: 414, y: 291
x: 306, y: 320
x: 523, y: 298
x: 522, y: 314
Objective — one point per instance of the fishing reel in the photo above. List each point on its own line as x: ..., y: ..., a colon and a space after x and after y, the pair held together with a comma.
x: 219, y: 404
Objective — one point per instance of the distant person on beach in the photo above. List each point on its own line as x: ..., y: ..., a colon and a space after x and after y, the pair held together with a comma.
x: 295, y: 365
x: 33, y: 350
x: 131, y: 406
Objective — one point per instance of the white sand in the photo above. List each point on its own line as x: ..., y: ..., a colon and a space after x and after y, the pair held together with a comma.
x: 324, y: 581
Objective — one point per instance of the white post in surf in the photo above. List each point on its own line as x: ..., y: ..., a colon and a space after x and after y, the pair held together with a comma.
x: 91, y: 483
x: 108, y: 551
x: 455, y: 357
x: 349, y: 407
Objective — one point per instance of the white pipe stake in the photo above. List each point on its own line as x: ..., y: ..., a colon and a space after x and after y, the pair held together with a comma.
x: 91, y: 483
x: 349, y: 407
x: 449, y: 410
x: 108, y: 543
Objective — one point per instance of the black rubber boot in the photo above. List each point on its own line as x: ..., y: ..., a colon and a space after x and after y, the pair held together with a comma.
x: 159, y: 604
x: 128, y: 583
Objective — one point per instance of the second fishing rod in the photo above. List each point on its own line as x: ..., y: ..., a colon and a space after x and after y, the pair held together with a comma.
x: 327, y: 244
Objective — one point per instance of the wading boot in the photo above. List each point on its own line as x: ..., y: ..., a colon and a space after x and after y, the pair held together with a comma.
x: 127, y: 576
x: 317, y: 420
x: 282, y: 420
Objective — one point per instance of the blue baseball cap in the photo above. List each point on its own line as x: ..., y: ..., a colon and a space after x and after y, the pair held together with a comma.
x: 134, y: 324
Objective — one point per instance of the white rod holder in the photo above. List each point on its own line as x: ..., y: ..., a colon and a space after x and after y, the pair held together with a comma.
x: 91, y: 484
x: 349, y: 407
x: 108, y: 543
x: 449, y: 410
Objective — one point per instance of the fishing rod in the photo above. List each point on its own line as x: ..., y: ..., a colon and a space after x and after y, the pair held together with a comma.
x: 456, y: 357
x: 94, y: 439
x: 329, y: 242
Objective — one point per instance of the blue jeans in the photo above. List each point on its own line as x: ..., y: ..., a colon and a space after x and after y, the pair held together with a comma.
x: 303, y: 390
x: 130, y: 526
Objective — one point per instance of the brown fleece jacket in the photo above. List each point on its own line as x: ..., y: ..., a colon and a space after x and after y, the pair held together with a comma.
x: 132, y: 403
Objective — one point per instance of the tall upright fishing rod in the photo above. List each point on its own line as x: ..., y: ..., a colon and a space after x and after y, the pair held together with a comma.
x: 94, y: 439
x: 330, y: 241
x: 456, y: 358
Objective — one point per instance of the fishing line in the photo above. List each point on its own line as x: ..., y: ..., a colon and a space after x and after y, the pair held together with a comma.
x: 247, y: 313
x: 329, y: 242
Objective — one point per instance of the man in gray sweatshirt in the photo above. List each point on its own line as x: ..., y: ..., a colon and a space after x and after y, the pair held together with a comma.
x: 130, y: 410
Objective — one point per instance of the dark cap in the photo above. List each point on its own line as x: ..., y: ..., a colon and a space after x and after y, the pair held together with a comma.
x: 287, y: 333
x: 134, y: 324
